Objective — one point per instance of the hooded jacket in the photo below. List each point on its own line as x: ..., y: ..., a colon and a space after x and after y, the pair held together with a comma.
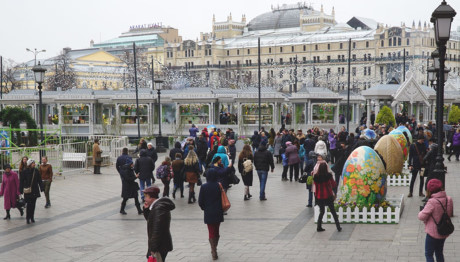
x: 263, y: 159
x: 144, y: 166
x: 210, y: 198
x: 176, y: 149
x: 223, y: 155
x: 292, y: 154
x: 158, y: 224
x: 321, y: 148
x: 433, y: 209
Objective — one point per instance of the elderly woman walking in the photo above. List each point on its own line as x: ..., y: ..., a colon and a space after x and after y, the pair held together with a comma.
x: 30, y: 184
x: 10, y: 191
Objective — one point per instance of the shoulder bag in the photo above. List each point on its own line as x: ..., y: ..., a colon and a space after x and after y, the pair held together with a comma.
x: 28, y: 190
x: 225, y: 202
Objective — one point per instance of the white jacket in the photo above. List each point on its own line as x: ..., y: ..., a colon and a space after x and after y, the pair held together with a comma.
x: 320, y: 148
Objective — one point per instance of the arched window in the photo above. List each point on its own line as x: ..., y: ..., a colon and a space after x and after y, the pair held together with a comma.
x: 389, y: 42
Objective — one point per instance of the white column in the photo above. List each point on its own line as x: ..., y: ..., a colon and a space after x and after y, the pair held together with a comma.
x: 336, y: 120
x: 368, y: 122
x: 310, y: 112
x: 211, y: 113
x: 92, y: 118
x: 61, y: 119
x: 294, y: 120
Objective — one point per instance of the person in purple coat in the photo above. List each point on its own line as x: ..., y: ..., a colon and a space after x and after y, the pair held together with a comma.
x: 292, y: 154
x: 10, y: 191
x: 455, y: 145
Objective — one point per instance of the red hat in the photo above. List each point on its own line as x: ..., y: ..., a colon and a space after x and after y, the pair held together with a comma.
x: 153, y: 190
x: 434, y: 185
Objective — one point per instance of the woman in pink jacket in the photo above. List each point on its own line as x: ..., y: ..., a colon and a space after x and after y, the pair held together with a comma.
x: 433, y: 210
x: 10, y: 190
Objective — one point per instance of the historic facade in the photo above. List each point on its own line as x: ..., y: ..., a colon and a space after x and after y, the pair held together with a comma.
x: 303, y: 46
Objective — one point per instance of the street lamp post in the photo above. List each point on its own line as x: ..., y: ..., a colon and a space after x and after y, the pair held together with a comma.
x: 160, y: 141
x: 39, y: 73
x: 35, y: 52
x: 442, y: 19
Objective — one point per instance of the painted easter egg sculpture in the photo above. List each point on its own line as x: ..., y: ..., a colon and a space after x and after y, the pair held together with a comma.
x: 369, y: 134
x: 391, y: 152
x: 364, y: 179
x: 402, y: 142
x: 405, y: 131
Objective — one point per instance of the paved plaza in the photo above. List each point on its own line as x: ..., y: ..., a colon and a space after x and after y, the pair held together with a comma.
x: 84, y: 224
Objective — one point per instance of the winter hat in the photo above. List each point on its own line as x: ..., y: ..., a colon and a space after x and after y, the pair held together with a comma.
x: 30, y: 161
x: 434, y: 185
x: 288, y: 143
x: 129, y: 161
x: 149, y: 144
x: 6, y: 166
x: 153, y: 191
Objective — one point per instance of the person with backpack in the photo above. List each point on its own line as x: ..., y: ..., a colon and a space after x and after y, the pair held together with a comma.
x: 263, y: 162
x: 245, y: 167
x: 164, y: 173
x: 436, y: 217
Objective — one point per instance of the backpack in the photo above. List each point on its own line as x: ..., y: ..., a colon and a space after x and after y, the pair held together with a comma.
x: 247, y: 165
x: 162, y: 171
x: 444, y: 226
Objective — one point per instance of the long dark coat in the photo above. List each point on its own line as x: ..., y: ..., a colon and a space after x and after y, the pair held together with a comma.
x: 158, y: 224
x: 9, y: 189
x: 210, y: 200
x: 144, y: 166
x: 25, y: 180
x: 129, y: 186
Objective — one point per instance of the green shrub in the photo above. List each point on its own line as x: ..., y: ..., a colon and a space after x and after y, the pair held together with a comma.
x: 454, y: 115
x: 385, y: 116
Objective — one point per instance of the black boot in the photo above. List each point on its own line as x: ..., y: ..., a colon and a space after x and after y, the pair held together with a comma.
x: 174, y: 193
x: 122, y: 209
x: 21, y: 211
x: 181, y: 193
x: 139, y: 210
x: 190, y: 197
x: 193, y: 197
x: 7, y: 215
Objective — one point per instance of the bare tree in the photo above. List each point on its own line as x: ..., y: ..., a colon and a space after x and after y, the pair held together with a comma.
x: 143, y: 69
x: 11, y: 75
x: 64, y: 76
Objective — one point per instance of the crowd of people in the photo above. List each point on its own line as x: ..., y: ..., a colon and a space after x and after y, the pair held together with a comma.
x: 208, y: 158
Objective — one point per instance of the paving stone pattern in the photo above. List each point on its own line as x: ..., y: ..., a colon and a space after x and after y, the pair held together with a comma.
x: 84, y: 224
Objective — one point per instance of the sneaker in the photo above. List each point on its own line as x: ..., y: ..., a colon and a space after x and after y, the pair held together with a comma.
x: 421, y: 194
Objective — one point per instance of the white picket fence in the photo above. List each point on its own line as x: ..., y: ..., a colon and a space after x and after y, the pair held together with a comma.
x: 366, y: 216
x: 401, y: 180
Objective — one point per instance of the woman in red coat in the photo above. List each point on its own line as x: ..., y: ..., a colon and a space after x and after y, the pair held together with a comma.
x: 324, y: 183
x: 10, y: 190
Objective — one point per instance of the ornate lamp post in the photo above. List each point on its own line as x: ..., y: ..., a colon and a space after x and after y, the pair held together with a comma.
x: 162, y: 142
x: 442, y: 19
x: 39, y: 73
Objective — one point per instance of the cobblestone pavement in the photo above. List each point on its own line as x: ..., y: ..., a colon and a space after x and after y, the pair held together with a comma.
x: 83, y: 224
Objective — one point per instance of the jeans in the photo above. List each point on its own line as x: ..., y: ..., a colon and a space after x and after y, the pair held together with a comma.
x: 412, y: 181
x: 142, y: 183
x: 436, y: 246
x: 47, y: 185
x: 310, y: 197
x: 284, y: 174
x: 201, y: 164
x: 263, y: 175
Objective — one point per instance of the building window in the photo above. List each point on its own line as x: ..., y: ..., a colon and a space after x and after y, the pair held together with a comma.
x: 354, y: 57
x: 367, y: 43
x: 292, y: 49
x: 399, y: 41
x: 365, y: 57
x: 354, y: 44
x: 329, y: 58
x: 407, y: 41
x: 316, y: 47
x: 390, y: 42
x: 304, y: 59
x: 269, y: 50
x: 304, y: 48
x: 341, y: 45
x: 249, y: 51
x: 238, y: 52
x: 185, y: 53
x: 207, y: 63
x: 382, y: 43
x: 281, y: 49
x: 228, y: 52
x: 369, y: 57
x: 281, y: 61
x: 353, y: 71
x: 369, y: 70
x: 365, y: 71
x: 328, y: 46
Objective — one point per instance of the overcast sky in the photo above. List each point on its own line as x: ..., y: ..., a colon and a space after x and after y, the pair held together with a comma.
x: 55, y: 24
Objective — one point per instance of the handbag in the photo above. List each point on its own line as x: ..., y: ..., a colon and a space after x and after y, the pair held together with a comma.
x: 233, y: 178
x: 303, y: 179
x: 225, y: 202
x: 20, y: 202
x: 152, y: 259
x: 28, y: 190
x: 200, y: 182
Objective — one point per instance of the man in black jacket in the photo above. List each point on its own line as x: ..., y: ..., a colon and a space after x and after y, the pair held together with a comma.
x: 343, y: 152
x: 417, y: 152
x: 201, y: 150
x: 263, y: 161
x: 152, y: 153
x: 157, y: 212
x: 121, y: 160
x: 144, y: 168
